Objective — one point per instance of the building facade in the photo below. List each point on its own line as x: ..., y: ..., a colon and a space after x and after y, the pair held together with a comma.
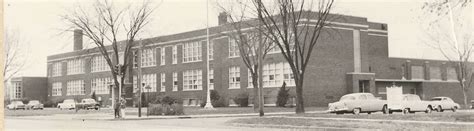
x: 352, y: 57
x: 28, y: 88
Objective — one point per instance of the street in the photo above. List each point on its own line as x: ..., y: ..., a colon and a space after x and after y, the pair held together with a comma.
x: 200, y: 124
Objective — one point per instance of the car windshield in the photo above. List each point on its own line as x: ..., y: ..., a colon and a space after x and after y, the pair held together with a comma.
x: 88, y: 100
x: 412, y: 98
x: 17, y: 102
x: 33, y: 102
x: 435, y: 99
x: 347, y: 98
x: 68, y: 101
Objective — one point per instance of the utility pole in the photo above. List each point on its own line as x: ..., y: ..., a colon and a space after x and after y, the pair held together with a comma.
x: 260, y: 61
x: 139, y: 78
x: 208, y: 94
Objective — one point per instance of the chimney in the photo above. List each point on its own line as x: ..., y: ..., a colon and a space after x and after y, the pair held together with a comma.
x: 222, y: 18
x: 77, y: 39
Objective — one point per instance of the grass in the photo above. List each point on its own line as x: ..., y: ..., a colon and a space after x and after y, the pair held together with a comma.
x: 435, y: 116
x: 134, y: 111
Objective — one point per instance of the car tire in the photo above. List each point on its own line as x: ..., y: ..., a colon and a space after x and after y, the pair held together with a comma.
x: 356, y: 111
x: 369, y: 113
x: 454, y: 108
x: 439, y: 109
x: 385, y: 110
x: 428, y: 109
x: 406, y: 111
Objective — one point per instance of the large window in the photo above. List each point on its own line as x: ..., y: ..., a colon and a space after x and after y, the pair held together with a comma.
x: 149, y: 80
x: 148, y: 57
x: 99, y: 64
x: 75, y: 66
x: 57, y: 69
x: 175, y: 81
x: 451, y: 73
x: 211, y: 79
x: 163, y: 56
x: 192, y: 80
x: 417, y: 73
x: 76, y: 88
x: 175, y: 54
x: 234, y: 77
x: 275, y: 74
x: 17, y: 88
x: 57, y: 89
x: 211, y: 50
x: 233, y: 48
x: 163, y: 81
x: 435, y: 73
x: 100, y: 85
x: 192, y: 52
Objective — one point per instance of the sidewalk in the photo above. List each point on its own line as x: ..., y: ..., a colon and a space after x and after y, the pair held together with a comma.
x: 145, y: 117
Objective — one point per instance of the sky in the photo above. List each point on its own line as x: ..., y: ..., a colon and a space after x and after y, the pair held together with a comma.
x: 40, y: 24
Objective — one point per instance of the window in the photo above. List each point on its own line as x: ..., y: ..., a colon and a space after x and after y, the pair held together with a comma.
x: 163, y: 56
x: 211, y: 79
x: 148, y: 57
x: 175, y: 54
x: 175, y: 81
x: 233, y: 48
x: 435, y: 73
x: 192, y: 80
x: 101, y: 85
x: 192, y: 52
x: 234, y: 77
x: 75, y: 66
x: 17, y: 88
x: 211, y: 50
x: 163, y: 81
x: 417, y: 73
x: 57, y: 89
x: 57, y: 69
x: 75, y: 88
x: 99, y: 64
x: 451, y: 73
x: 150, y: 82
x: 275, y: 74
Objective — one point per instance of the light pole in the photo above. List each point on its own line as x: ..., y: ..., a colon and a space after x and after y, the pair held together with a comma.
x: 208, y: 94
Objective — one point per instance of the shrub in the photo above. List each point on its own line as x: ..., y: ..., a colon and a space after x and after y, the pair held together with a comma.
x: 242, y: 99
x: 50, y: 103
x: 168, y: 100
x: 216, y: 100
x: 283, y: 96
x: 168, y: 106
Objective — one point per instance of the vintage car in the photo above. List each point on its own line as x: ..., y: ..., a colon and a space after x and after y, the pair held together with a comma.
x: 34, y: 104
x: 67, y: 104
x: 357, y: 103
x: 412, y: 103
x: 88, y: 104
x: 16, y: 105
x: 444, y: 103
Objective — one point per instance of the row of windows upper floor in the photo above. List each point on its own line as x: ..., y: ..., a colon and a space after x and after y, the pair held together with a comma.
x: 187, y: 52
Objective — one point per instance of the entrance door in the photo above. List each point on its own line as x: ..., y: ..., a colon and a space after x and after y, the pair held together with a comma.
x: 364, y: 86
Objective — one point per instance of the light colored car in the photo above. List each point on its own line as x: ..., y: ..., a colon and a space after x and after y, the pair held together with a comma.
x: 412, y: 103
x: 88, y: 104
x: 444, y: 103
x: 357, y: 103
x: 14, y: 105
x: 34, y: 104
x: 67, y: 104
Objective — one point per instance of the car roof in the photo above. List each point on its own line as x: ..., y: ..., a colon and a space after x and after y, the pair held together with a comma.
x: 356, y: 94
x: 440, y: 97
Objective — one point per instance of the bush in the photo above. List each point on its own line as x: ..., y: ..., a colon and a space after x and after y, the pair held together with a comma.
x: 168, y: 100
x: 50, y: 103
x: 242, y: 99
x: 283, y: 96
x: 165, y: 109
x: 216, y: 100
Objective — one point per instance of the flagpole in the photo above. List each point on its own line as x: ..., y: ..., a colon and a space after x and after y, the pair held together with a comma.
x: 208, y: 94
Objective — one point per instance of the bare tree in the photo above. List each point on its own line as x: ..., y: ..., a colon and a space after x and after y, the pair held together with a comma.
x: 296, y: 29
x: 103, y: 25
x: 449, y: 30
x: 253, y: 48
x: 15, y: 54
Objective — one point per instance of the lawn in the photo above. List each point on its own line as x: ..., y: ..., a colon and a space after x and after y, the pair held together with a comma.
x: 134, y: 111
x: 464, y: 116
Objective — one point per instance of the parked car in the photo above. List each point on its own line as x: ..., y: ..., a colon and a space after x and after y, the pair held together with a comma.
x: 412, y: 103
x: 444, y: 103
x: 14, y: 105
x: 357, y: 103
x: 34, y: 104
x: 88, y: 104
x: 472, y: 104
x: 67, y: 104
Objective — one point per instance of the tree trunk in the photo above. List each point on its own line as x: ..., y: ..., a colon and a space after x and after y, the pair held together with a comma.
x: 299, y: 95
x: 255, y: 93
x: 464, y: 96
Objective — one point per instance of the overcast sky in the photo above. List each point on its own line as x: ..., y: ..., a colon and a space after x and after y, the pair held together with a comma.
x: 38, y: 21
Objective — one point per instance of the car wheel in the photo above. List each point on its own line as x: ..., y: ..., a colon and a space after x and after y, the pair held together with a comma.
x: 369, y: 113
x: 356, y: 111
x: 406, y: 111
x: 385, y: 109
x: 428, y: 109
x: 454, y: 108
x: 96, y: 108
x: 439, y: 109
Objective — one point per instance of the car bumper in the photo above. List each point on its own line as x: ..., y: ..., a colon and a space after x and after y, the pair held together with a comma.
x: 344, y: 109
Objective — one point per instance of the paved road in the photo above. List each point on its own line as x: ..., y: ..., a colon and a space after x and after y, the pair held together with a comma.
x: 200, y: 124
